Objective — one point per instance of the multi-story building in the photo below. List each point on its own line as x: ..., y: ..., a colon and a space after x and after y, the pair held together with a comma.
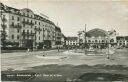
x: 122, y: 41
x: 63, y: 38
x: 26, y: 28
x: 72, y: 41
x: 58, y: 35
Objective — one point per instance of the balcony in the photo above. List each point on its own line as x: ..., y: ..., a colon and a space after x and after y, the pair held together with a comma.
x: 28, y: 34
x: 3, y: 25
x: 15, y: 26
x: 3, y: 19
x: 28, y: 23
x: 38, y: 29
x: 12, y: 25
x: 18, y: 26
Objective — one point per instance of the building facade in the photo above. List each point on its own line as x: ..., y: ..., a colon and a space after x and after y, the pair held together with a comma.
x: 98, y: 38
x: 58, y: 35
x: 27, y: 29
x: 122, y: 41
x: 72, y: 41
x: 63, y: 40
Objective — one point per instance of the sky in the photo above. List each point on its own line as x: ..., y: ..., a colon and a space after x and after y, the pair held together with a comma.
x: 72, y: 15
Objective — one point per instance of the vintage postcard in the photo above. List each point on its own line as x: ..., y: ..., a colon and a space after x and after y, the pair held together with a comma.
x: 64, y: 40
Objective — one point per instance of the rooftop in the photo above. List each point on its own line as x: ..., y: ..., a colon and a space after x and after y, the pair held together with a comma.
x: 122, y: 37
x: 57, y: 29
x: 97, y: 32
x: 8, y: 9
x: 71, y: 38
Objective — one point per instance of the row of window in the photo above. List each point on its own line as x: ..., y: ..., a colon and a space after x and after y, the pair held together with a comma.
x: 18, y: 19
x: 28, y: 15
x: 38, y: 37
x: 30, y: 32
x: 72, y: 44
x: 122, y: 44
x: 96, y: 41
x: 18, y: 37
x: 43, y: 38
x: 72, y: 41
x: 14, y: 24
x: 121, y: 41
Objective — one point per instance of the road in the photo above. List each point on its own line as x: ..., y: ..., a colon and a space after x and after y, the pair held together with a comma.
x: 25, y: 60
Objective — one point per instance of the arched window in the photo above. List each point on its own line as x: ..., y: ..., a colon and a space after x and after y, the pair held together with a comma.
x: 27, y: 31
x: 12, y: 36
x: 96, y: 41
x: 89, y: 41
x: 111, y: 40
x: 23, y: 30
x: 99, y: 41
x: 102, y: 41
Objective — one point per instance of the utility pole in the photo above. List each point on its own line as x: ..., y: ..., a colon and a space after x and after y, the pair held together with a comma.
x: 85, y: 35
x: 0, y: 29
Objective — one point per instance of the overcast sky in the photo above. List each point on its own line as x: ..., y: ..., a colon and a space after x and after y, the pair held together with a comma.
x: 72, y: 15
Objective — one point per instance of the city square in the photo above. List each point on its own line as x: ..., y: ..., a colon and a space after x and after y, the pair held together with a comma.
x: 35, y: 61
x: 70, y: 47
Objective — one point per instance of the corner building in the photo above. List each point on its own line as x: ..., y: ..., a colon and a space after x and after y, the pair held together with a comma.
x: 26, y: 28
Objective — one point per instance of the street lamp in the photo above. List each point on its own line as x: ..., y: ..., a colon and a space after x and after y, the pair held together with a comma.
x: 108, y: 46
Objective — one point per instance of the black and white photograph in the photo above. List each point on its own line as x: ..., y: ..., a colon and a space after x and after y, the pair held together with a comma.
x: 64, y: 40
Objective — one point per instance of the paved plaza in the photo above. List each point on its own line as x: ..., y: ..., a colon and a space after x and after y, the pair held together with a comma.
x: 25, y: 60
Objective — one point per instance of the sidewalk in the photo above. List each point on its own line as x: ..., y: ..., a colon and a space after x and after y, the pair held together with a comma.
x: 20, y: 51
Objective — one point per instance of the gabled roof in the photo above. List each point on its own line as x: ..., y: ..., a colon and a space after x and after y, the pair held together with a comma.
x: 126, y: 37
x: 27, y: 9
x: 57, y: 29
x: 63, y: 36
x: 120, y: 37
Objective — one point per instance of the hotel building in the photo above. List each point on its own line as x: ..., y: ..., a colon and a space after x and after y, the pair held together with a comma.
x: 58, y: 35
x: 26, y: 28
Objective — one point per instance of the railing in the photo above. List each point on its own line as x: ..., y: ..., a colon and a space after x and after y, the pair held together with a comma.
x: 16, y: 26
x: 3, y: 25
x: 27, y: 22
x: 27, y: 33
x: 38, y: 29
x: 12, y: 25
x: 3, y: 19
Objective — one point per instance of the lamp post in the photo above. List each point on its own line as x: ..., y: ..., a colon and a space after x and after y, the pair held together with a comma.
x: 0, y: 38
x: 1, y: 22
x: 0, y: 30
x: 108, y: 47
x: 85, y: 36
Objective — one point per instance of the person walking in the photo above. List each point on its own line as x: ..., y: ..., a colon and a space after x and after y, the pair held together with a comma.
x: 44, y: 53
x: 28, y: 51
x: 58, y: 49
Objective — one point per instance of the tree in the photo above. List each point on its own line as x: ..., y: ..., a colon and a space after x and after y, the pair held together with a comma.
x: 79, y: 34
x: 3, y: 33
x: 3, y: 38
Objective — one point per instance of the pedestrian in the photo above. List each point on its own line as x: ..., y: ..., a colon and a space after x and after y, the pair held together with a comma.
x: 58, y: 49
x: 108, y: 56
x: 28, y: 50
x: 43, y: 51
